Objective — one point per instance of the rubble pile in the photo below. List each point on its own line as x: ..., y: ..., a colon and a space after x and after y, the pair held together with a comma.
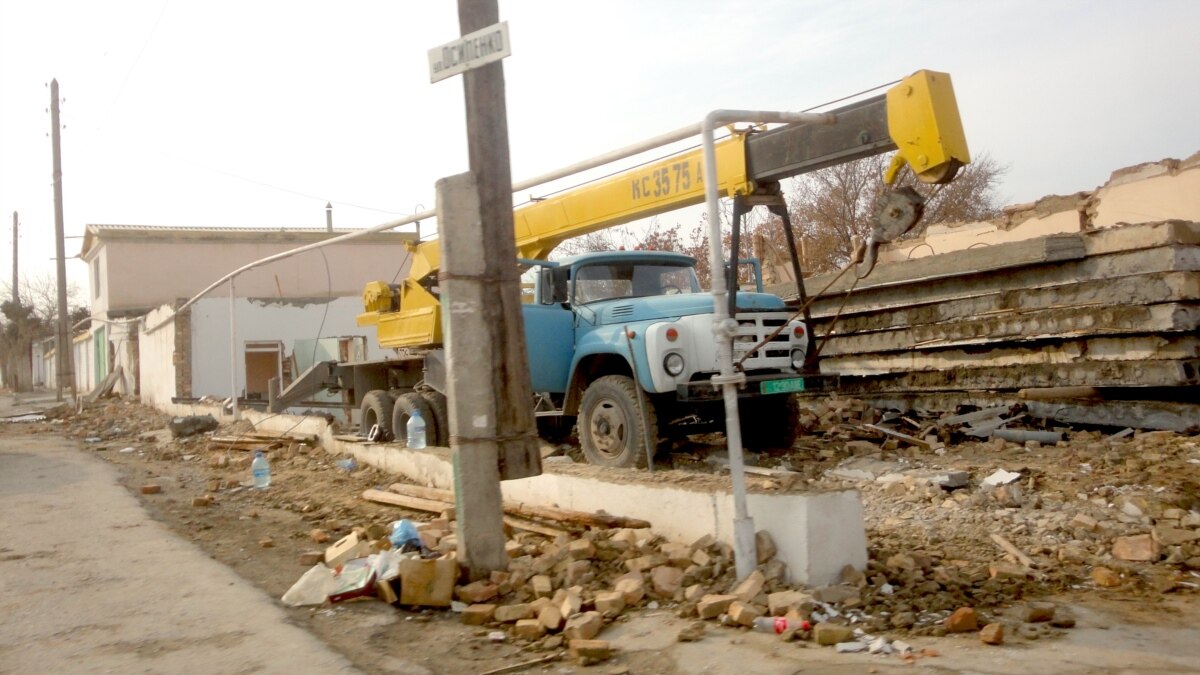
x: 965, y: 531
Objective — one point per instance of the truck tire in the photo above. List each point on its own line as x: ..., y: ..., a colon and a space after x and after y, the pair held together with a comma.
x: 611, y: 430
x: 769, y: 422
x: 440, y: 421
x: 377, y: 410
x: 403, y: 410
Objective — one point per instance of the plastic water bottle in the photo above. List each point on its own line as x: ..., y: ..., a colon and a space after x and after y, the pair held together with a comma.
x: 416, y: 431
x: 779, y: 624
x: 261, y: 470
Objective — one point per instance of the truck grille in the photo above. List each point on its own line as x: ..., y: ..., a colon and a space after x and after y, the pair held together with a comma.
x: 753, y: 328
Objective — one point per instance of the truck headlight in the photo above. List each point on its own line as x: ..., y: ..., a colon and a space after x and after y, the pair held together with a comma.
x: 797, y: 359
x: 673, y: 364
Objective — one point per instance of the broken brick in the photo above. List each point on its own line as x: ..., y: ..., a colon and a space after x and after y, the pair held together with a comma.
x: 633, y: 590
x: 610, y: 602
x: 476, y: 592
x: 712, y: 606
x: 590, y: 651
x: 477, y: 615
x: 530, y: 629
x: 963, y: 620
x: 583, y: 626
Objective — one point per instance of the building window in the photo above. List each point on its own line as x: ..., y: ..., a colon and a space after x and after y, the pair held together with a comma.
x: 96, y: 278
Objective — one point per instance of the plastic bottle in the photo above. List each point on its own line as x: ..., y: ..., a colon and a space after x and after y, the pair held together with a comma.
x: 261, y: 470
x: 416, y: 431
x: 779, y: 624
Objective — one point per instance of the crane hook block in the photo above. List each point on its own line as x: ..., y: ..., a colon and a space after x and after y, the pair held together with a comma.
x: 923, y: 121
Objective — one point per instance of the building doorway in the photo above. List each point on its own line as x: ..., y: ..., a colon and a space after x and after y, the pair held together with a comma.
x: 264, y: 360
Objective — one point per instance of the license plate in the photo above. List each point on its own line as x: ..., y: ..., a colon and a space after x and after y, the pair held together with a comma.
x: 781, y: 386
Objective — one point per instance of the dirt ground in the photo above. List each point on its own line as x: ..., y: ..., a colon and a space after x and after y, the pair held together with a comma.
x: 930, y: 547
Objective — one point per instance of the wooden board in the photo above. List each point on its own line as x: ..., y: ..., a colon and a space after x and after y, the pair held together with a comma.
x: 528, y: 510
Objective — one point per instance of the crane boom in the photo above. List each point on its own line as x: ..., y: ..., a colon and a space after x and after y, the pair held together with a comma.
x: 918, y: 117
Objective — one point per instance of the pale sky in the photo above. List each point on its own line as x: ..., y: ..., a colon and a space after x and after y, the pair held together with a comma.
x: 255, y: 113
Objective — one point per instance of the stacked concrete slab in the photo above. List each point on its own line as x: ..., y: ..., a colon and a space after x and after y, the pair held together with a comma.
x: 1098, y: 289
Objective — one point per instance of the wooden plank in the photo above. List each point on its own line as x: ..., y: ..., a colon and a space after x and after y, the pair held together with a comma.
x: 1013, y: 550
x: 1132, y: 263
x: 1018, y: 326
x: 911, y: 440
x: 535, y: 527
x: 529, y: 510
x: 1143, y: 289
x: 414, y: 503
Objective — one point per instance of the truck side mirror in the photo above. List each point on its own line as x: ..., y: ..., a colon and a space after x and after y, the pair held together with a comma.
x: 552, y: 285
x: 546, y: 286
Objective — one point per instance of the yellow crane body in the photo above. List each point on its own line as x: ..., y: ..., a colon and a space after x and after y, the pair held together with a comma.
x: 922, y: 121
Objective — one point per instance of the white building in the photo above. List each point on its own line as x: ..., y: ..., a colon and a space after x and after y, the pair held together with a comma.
x: 140, y: 274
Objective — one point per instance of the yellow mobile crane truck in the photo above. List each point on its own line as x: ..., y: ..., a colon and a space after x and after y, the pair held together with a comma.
x: 620, y: 343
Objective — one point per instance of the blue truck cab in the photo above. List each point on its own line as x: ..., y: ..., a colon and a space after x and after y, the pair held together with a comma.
x: 621, y: 345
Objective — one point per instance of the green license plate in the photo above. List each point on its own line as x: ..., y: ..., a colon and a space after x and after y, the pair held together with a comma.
x: 781, y: 386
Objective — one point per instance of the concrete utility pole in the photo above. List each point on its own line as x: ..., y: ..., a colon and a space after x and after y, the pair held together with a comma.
x: 328, y: 217
x: 492, y: 426
x: 15, y: 288
x: 63, y: 360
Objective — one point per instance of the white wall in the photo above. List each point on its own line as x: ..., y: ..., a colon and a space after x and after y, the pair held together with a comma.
x: 38, y: 362
x: 85, y: 366
x: 261, y: 320
x: 120, y: 335
x: 156, y: 352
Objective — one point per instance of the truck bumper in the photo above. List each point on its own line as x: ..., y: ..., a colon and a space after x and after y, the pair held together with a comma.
x: 757, y: 385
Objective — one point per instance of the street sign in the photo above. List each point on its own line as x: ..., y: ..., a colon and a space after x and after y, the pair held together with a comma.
x: 484, y: 46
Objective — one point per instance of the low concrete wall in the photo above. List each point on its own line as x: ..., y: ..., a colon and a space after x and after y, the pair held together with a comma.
x: 816, y: 534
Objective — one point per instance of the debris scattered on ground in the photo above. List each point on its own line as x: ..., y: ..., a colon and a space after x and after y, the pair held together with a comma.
x: 1095, y: 512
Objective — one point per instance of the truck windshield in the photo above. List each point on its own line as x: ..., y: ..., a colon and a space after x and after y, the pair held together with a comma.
x: 632, y: 280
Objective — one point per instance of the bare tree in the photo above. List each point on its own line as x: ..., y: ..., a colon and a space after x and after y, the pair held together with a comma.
x: 41, y: 294
x: 32, y: 318
x: 832, y: 206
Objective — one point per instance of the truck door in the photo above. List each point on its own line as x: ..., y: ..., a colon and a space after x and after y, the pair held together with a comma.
x: 550, y: 332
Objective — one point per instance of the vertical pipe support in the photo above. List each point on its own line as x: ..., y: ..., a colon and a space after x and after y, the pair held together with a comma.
x: 725, y: 326
x: 233, y: 395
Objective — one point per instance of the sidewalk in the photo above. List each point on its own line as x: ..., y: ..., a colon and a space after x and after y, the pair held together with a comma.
x: 90, y: 583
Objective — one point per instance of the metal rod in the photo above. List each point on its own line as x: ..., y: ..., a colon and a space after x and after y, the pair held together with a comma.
x: 798, y: 272
x: 724, y: 327
x: 637, y: 381
x: 233, y: 396
x: 735, y: 248
x: 599, y: 160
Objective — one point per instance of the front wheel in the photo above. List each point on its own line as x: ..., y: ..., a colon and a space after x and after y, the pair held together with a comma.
x: 613, y: 430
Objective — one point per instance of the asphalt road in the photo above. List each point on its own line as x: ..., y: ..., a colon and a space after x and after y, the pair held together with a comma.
x: 89, y: 583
